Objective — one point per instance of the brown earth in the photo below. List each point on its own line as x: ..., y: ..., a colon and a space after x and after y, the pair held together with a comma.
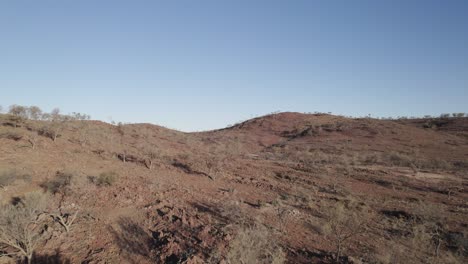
x: 186, y: 202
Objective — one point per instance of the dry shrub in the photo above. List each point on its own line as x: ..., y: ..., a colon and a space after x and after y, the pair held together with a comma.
x: 399, y: 159
x: 151, y: 155
x: 65, y: 219
x: 427, y: 234
x: 21, y: 226
x: 370, y: 158
x: 60, y: 184
x: 53, y: 129
x: 343, y: 222
x: 107, y: 178
x: 461, y: 164
x: 433, y: 164
x: 416, y: 162
x: 424, y: 239
x: 234, y: 214
x: 392, y: 253
x: 12, y: 135
x: 13, y: 121
x: 7, y: 177
x: 254, y: 245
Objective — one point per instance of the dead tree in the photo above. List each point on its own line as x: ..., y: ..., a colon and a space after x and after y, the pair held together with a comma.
x: 64, y: 219
x: 22, y: 226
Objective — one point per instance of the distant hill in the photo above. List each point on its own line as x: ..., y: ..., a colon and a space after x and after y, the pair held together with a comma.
x: 148, y: 194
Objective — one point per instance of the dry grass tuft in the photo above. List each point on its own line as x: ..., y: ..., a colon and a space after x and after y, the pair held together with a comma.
x: 254, y: 245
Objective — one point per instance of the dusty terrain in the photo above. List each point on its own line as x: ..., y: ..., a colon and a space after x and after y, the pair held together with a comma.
x: 396, y: 190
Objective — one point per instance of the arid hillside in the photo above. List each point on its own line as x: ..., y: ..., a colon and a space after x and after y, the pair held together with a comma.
x: 282, y: 188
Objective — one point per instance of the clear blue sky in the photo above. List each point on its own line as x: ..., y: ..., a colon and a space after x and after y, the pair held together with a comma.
x: 195, y: 65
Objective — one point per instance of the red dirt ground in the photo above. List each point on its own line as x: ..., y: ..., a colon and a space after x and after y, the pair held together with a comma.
x: 282, y: 171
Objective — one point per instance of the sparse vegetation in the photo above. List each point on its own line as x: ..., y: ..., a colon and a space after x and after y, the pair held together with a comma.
x: 33, y: 139
x: 55, y: 120
x: 12, y: 135
x: 60, y: 184
x: 34, y: 112
x: 151, y: 156
x: 55, y: 126
x: 254, y: 245
x: 399, y: 159
x: 7, y: 177
x: 415, y: 162
x: 294, y: 189
x: 458, y: 115
x: 21, y: 226
x: 18, y: 110
x: 343, y: 222
x: 106, y: 178
x: 66, y: 220
x: 14, y: 121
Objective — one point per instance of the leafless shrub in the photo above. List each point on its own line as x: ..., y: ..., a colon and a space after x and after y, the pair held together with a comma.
x: 336, y: 182
x: 343, y: 223
x: 424, y: 237
x: 427, y: 234
x: 235, y: 214
x: 66, y: 220
x: 151, y: 156
x: 61, y: 184
x: 21, y: 226
x: 393, y: 252
x: 83, y: 133
x: 254, y: 245
x: 33, y: 139
x: 213, y: 166
x: 282, y: 213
